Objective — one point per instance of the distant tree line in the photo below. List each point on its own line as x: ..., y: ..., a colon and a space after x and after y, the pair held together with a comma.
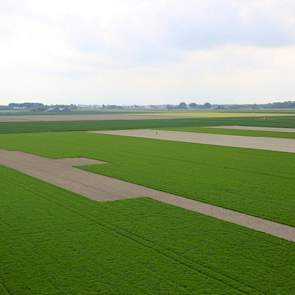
x: 207, y: 105
x: 40, y: 107
x: 112, y: 107
x: 280, y: 105
x: 26, y: 105
x: 192, y: 105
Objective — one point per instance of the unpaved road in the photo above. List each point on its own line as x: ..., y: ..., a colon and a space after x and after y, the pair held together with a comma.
x: 263, y: 143
x: 102, y: 188
x: 90, y: 117
x: 128, y: 116
x: 254, y: 128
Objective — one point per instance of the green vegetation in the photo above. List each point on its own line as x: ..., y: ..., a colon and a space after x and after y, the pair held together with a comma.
x: 225, y: 131
x: 260, y: 183
x: 56, y: 242
x: 49, y: 126
x: 54, y: 126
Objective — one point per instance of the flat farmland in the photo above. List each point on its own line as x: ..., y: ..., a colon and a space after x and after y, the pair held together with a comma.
x: 216, y: 114
x: 56, y: 242
x: 131, y: 115
x: 238, y: 132
x: 147, y: 147
x: 78, y: 125
x: 258, y: 183
x: 262, y: 143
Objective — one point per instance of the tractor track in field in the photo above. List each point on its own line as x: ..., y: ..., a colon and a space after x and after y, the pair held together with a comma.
x: 62, y: 173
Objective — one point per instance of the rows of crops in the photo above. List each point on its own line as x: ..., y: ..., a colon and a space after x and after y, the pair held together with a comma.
x: 55, y: 242
x: 46, y: 126
x: 260, y: 183
x: 225, y: 131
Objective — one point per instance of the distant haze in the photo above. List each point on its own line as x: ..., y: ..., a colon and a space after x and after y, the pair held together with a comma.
x: 147, y: 51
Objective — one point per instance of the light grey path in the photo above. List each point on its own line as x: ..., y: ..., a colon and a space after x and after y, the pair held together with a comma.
x: 117, y: 116
x: 103, y: 188
x: 263, y: 143
x: 254, y: 128
x: 90, y: 117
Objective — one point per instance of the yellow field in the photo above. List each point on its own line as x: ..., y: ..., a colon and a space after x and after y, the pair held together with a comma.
x: 200, y: 114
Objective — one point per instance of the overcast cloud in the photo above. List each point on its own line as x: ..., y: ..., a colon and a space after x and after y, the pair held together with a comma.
x: 155, y: 51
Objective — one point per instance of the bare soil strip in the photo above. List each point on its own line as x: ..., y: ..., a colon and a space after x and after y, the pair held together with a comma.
x: 254, y: 128
x: 94, y: 117
x: 128, y: 116
x: 102, y: 188
x: 263, y: 143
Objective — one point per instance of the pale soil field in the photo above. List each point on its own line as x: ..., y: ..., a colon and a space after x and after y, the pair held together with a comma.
x: 72, y: 117
x: 135, y: 116
x: 237, y: 127
x: 102, y: 188
x: 263, y: 143
x: 200, y: 114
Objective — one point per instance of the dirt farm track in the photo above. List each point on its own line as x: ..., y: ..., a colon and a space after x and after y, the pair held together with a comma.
x: 102, y: 188
x: 93, y: 117
x: 129, y: 116
x: 263, y: 143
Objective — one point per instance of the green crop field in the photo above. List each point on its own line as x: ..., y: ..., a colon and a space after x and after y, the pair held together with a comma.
x: 224, y: 131
x: 56, y: 242
x: 259, y: 183
x: 53, y: 126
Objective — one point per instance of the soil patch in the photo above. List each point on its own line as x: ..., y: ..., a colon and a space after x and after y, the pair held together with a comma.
x: 95, y: 117
x: 256, y: 128
x: 263, y: 143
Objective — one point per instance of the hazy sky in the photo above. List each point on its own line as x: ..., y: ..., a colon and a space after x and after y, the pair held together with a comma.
x: 154, y: 51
